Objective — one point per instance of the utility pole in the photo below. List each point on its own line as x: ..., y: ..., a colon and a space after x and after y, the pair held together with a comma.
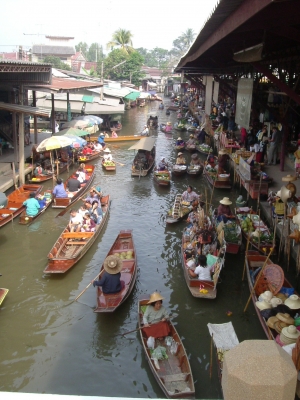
x: 101, y: 92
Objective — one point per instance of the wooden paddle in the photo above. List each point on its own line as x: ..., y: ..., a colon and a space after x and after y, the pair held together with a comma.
x: 81, y: 293
x: 122, y: 165
x: 67, y: 208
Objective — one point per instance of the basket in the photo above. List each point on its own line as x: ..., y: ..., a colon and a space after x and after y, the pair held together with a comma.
x: 223, y: 177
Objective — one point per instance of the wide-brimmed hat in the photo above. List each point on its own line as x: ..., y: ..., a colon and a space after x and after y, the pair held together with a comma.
x: 112, y: 264
x: 271, y: 321
x: 107, y: 150
x: 169, y: 123
x: 275, y: 301
x: 281, y: 296
x: 289, y: 178
x: 155, y: 297
x: 267, y: 295
x: 102, y: 134
x: 291, y: 332
x: 191, y: 136
x: 263, y: 305
x: 293, y: 302
x: 279, y: 325
x: 180, y: 154
x: 285, y: 317
x: 225, y: 201
x: 179, y: 138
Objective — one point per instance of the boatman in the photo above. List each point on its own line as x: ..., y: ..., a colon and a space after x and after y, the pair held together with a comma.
x: 155, y: 317
x: 32, y: 205
x: 111, y: 278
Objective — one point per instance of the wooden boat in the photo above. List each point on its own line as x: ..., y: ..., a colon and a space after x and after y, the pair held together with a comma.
x: 191, y: 148
x: 254, y: 261
x: 27, y: 219
x: 179, y: 169
x: 144, y: 159
x: 251, y: 222
x: 62, y: 167
x: 110, y: 302
x: 162, y: 178
x: 15, y: 201
x: 174, y: 374
x: 3, y: 293
x: 65, y: 202
x: 119, y: 138
x: 109, y: 167
x: 179, y: 210
x: 163, y: 127
x: 179, y: 128
x: 216, y: 180
x: 173, y: 108
x: 89, y: 157
x: 195, y: 170
x: 180, y: 147
x: 232, y: 233
x: 224, y: 339
x: 70, y: 247
x: 116, y: 128
x: 204, y: 149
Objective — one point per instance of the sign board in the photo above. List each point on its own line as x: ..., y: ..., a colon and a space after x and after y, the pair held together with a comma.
x: 244, y: 169
x: 208, y: 94
x: 243, y: 102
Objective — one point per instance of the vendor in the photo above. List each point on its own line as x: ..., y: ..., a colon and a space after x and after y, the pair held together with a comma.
x: 39, y: 171
x: 180, y: 160
x: 157, y: 315
x: 224, y: 211
x: 195, y: 160
x: 168, y: 127
x: 189, y: 195
x: 180, y: 142
x: 162, y: 166
x: 222, y: 160
x: 191, y: 141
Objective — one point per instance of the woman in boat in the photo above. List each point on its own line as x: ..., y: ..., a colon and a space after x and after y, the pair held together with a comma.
x: 81, y: 175
x: 180, y: 160
x: 224, y: 212
x: 39, y: 171
x: 59, y: 190
x: 32, y: 205
x: 191, y: 141
x: 89, y: 225
x: 189, y: 195
x: 168, y: 127
x: 155, y: 317
x: 180, y: 142
x: 195, y: 160
x: 107, y: 155
x: 96, y: 212
x: 202, y: 271
x: 114, y: 134
x: 162, y: 165
x: 111, y: 279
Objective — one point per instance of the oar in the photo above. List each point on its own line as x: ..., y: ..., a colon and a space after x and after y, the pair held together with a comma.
x: 122, y: 165
x: 81, y: 293
x: 257, y: 279
x: 67, y: 208
x: 138, y: 329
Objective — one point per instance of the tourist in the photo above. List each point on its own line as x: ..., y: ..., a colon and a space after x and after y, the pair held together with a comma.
x: 96, y: 212
x: 32, y: 205
x: 89, y: 225
x: 97, y: 146
x: 73, y: 185
x: 111, y: 278
x: 81, y: 175
x: 155, y: 317
x: 59, y: 189
x: 202, y: 271
x: 39, y: 171
x: 76, y: 221
x: 93, y: 196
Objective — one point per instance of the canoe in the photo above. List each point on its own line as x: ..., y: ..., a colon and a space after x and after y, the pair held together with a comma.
x: 179, y: 169
x: 162, y: 127
x: 3, y: 293
x: 178, y: 211
x: 255, y: 260
x: 26, y: 219
x: 65, y: 202
x: 214, y: 180
x: 15, y: 201
x: 253, y: 220
x: 110, y: 302
x: 191, y: 148
x: 200, y: 288
x: 173, y: 108
x: 224, y: 339
x: 174, y: 374
x: 232, y: 233
x: 70, y: 247
x: 109, y: 167
x: 195, y: 170
x: 162, y: 178
x: 119, y: 138
x: 204, y: 150
x: 180, y: 147
x: 90, y: 157
x: 63, y: 166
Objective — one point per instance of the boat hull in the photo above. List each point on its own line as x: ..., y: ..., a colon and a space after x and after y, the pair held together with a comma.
x: 195, y: 172
x: 89, y: 158
x: 218, y: 184
x: 3, y: 293
x: 119, y: 138
x: 26, y: 219
x: 162, y: 178
x: 108, y: 167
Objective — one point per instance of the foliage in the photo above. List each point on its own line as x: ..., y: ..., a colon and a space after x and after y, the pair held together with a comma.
x: 182, y: 43
x: 83, y: 47
x: 95, y: 53
x: 123, y: 39
x: 57, y: 63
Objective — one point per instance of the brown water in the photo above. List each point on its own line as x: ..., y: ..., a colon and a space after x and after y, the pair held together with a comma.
x: 49, y: 346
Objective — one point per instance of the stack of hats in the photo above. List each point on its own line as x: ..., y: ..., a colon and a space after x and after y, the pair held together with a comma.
x: 293, y: 302
x: 289, y: 335
x: 267, y: 300
x: 280, y: 321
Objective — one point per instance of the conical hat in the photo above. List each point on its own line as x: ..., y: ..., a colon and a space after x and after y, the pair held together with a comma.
x: 155, y: 297
x: 112, y: 264
x: 289, y: 178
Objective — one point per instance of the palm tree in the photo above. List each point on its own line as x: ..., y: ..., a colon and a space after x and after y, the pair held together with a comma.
x: 123, y: 39
x: 188, y: 37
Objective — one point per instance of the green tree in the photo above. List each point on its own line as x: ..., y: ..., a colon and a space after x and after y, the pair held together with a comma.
x: 95, y: 52
x: 188, y: 37
x: 83, y: 47
x: 123, y: 39
x: 57, y: 63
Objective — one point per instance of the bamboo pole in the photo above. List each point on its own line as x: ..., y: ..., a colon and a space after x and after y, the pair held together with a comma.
x: 211, y: 358
x: 257, y: 279
x: 246, y: 254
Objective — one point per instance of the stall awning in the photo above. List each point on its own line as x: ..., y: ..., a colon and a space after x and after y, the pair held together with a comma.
x: 146, y: 143
x: 96, y: 108
x: 132, y: 96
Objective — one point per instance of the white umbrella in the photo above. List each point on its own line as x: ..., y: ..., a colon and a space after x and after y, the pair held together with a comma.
x: 53, y: 143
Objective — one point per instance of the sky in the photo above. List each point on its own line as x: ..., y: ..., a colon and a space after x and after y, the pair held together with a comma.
x: 154, y: 23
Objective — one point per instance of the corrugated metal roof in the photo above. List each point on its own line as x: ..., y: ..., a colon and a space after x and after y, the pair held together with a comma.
x: 24, y: 109
x: 65, y: 85
x: 16, y: 62
x: 46, y: 49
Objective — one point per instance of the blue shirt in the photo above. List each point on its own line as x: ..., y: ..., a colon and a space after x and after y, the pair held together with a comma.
x: 59, y: 191
x: 32, y: 206
x: 110, y: 283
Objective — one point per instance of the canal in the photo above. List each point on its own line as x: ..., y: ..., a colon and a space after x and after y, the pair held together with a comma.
x: 51, y: 345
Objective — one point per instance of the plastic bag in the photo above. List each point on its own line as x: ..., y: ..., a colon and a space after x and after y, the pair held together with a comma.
x: 159, y: 353
x: 150, y: 342
x: 174, y: 346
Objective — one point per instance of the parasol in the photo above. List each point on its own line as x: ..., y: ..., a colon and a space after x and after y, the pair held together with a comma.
x: 258, y: 369
x: 72, y: 131
x: 53, y: 143
x: 91, y: 118
x: 76, y: 141
x: 77, y: 123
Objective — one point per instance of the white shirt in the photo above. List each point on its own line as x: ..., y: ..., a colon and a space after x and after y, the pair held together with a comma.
x: 145, y: 132
x: 203, y: 273
x: 81, y: 176
x: 97, y: 146
x: 107, y: 157
x: 77, y: 219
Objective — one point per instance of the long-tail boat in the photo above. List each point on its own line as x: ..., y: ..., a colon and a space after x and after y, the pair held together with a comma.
x: 62, y: 167
x: 27, y: 219
x: 3, y: 293
x: 144, y: 159
x: 15, y: 201
x: 123, y: 244
x: 65, y: 202
x: 70, y: 247
x: 162, y: 178
x: 179, y: 210
x: 89, y: 157
x: 272, y: 279
x: 119, y: 138
x: 173, y: 374
x: 232, y: 233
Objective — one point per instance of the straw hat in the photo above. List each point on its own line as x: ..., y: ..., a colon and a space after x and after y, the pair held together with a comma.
x: 290, y: 332
x: 179, y: 138
x: 102, y: 134
x: 284, y: 194
x: 222, y: 152
x: 169, y: 123
x: 263, y: 305
x: 271, y: 321
x: 281, y: 296
x: 112, y: 264
x: 289, y: 178
x: 267, y: 295
x: 107, y: 150
x: 225, y: 201
x: 279, y: 325
x: 180, y: 154
x: 293, y: 302
x: 275, y: 301
x: 285, y: 317
x: 155, y: 297
x: 191, y: 136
